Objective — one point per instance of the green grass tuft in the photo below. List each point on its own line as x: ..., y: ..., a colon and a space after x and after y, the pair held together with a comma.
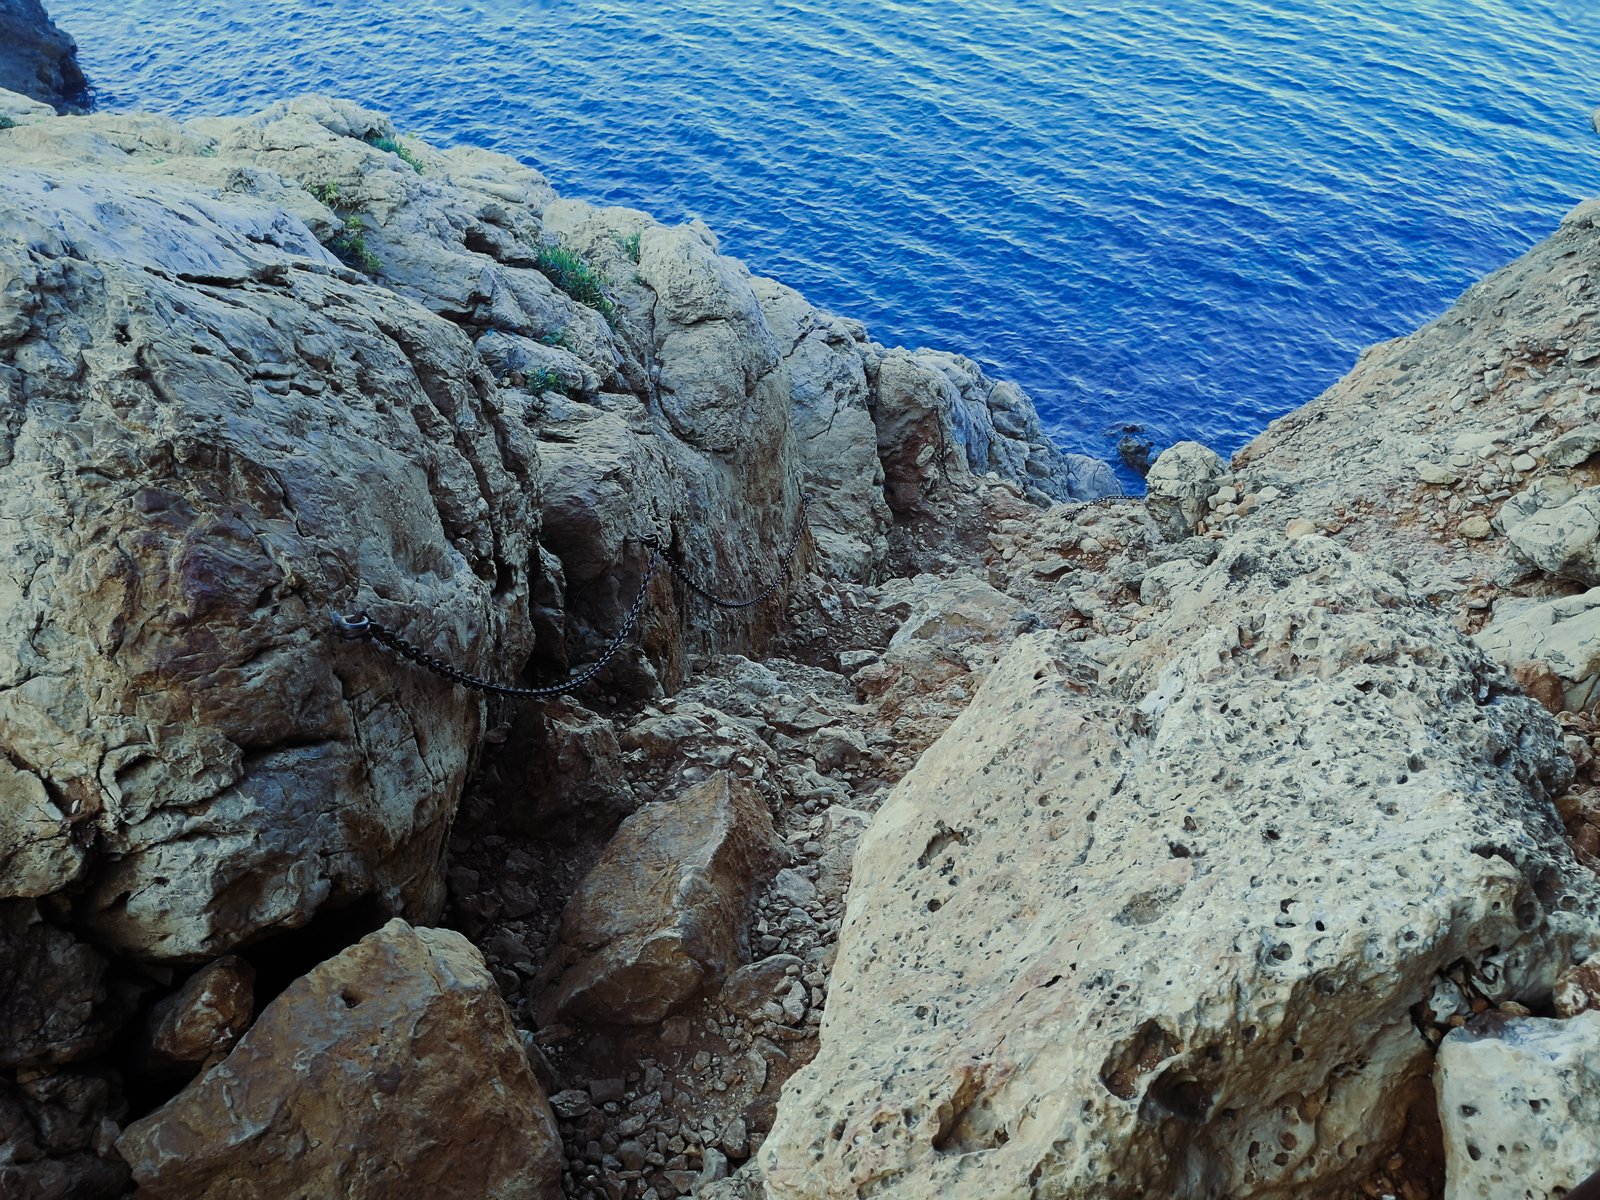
x: 389, y: 145
x: 576, y: 278
x: 630, y: 246
x: 555, y: 337
x: 6, y: 122
x: 349, y: 244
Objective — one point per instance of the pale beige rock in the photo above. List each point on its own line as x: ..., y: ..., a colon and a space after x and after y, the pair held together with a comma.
x: 1520, y: 1104
x: 1116, y: 911
x: 661, y: 917
x: 37, y: 852
x: 1180, y: 482
x: 390, y: 1069
x: 1556, y: 527
x: 1563, y: 633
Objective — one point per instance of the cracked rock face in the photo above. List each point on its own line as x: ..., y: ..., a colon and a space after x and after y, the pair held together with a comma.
x: 208, y: 441
x: 38, y: 60
x: 1166, y: 938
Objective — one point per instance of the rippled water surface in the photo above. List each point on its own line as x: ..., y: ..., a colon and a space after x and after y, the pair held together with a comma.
x: 1189, y: 214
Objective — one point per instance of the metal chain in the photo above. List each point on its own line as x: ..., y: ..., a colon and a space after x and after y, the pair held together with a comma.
x: 360, y: 627
x: 786, y: 561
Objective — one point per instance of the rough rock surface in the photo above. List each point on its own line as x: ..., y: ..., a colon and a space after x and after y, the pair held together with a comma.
x: 1182, y: 481
x: 1413, y: 454
x: 1093, y: 940
x: 37, y: 59
x: 1520, y: 1103
x: 1563, y: 634
x: 222, y: 420
x: 202, y: 1020
x: 662, y: 916
x: 390, y: 1069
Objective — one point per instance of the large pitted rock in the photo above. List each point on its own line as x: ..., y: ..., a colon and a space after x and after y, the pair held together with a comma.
x: 390, y: 1069
x: 1520, y: 1104
x: 1563, y: 634
x: 1160, y: 930
x: 1183, y: 478
x: 661, y: 917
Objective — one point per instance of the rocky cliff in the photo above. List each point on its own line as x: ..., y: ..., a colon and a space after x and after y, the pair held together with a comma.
x: 38, y: 60
x: 1018, y: 840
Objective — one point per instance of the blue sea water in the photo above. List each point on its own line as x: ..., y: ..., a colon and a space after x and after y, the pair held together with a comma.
x: 1188, y: 214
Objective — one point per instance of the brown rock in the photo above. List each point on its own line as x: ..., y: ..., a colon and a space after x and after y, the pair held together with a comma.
x: 1578, y: 988
x: 1539, y: 681
x: 660, y: 917
x: 390, y: 1070
x: 53, y: 996
x: 204, y: 1018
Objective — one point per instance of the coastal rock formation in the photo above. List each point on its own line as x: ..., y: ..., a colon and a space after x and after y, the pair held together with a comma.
x: 37, y: 59
x: 1561, y: 634
x: 1095, y: 937
x: 390, y: 1069
x: 1520, y: 1102
x: 662, y: 916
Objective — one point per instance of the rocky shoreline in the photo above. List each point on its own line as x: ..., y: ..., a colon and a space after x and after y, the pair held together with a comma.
x: 1028, y: 841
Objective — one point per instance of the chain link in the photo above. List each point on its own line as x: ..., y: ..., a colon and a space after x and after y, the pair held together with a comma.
x: 360, y: 627
x: 785, y: 563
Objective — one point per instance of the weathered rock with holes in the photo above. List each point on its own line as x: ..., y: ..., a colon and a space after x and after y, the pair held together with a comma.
x: 1520, y: 1104
x: 1158, y: 928
x: 390, y: 1069
x: 661, y: 917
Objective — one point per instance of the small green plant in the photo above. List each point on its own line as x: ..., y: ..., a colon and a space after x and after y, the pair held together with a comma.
x: 630, y: 246
x: 390, y: 146
x: 349, y: 244
x: 576, y: 278
x: 6, y: 122
x: 557, y: 338
x: 209, y: 150
x: 326, y: 194
x: 547, y: 380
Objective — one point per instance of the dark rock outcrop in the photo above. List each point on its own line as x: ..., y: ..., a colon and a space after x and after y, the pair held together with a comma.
x: 37, y: 59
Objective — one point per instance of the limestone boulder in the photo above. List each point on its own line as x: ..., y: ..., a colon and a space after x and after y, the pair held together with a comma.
x: 391, y: 1068
x: 57, y: 1135
x: 1555, y: 526
x: 1563, y: 634
x: 1520, y: 1103
x: 1158, y: 926
x: 56, y: 1006
x: 1182, y: 480
x: 831, y: 407
x: 663, y: 916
